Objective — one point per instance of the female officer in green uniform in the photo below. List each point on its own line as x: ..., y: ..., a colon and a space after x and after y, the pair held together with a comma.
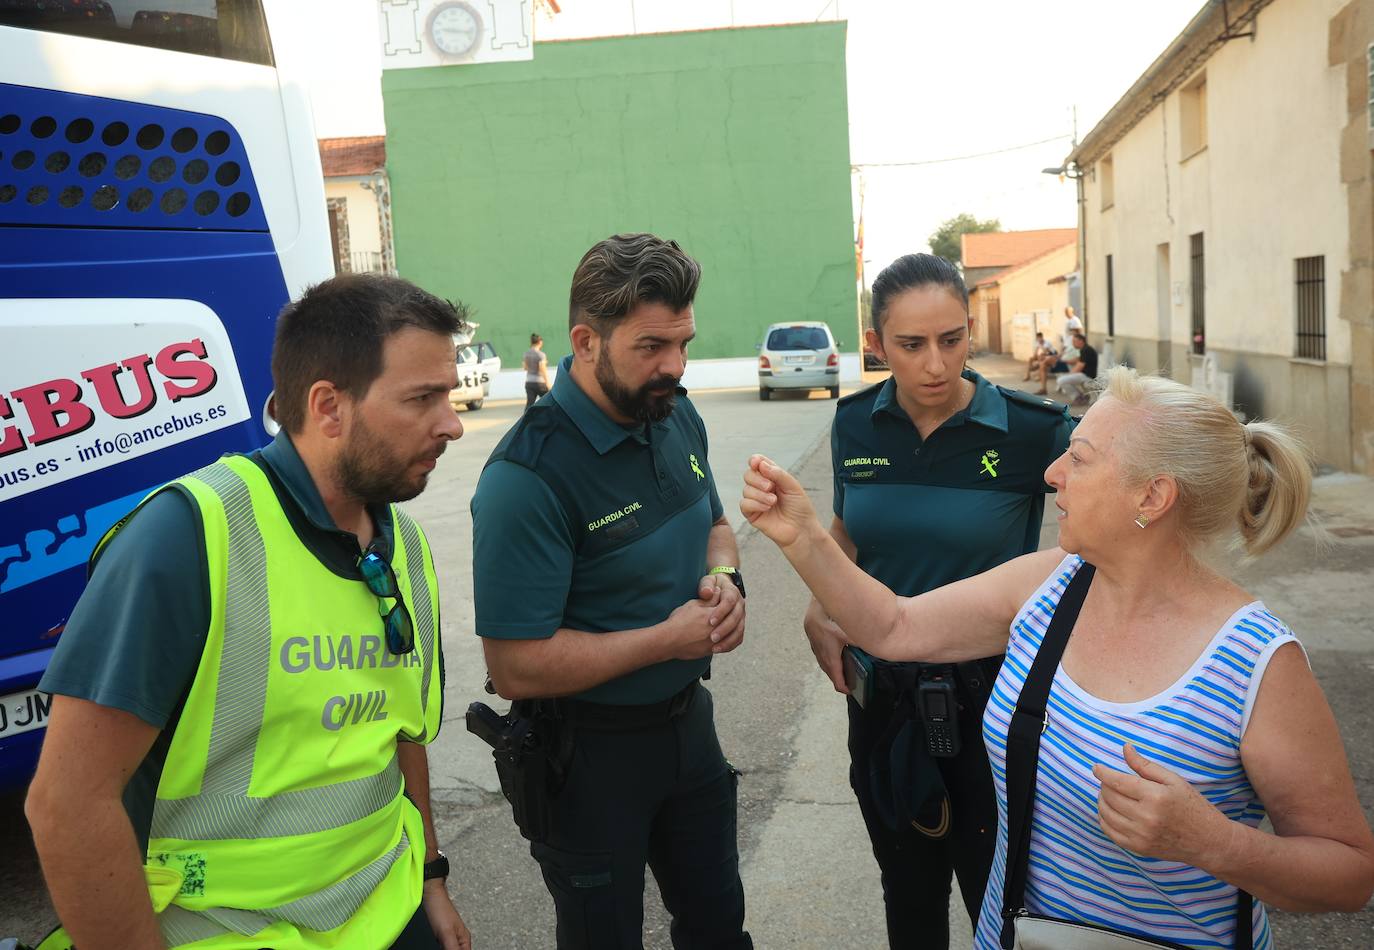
x: 938, y: 476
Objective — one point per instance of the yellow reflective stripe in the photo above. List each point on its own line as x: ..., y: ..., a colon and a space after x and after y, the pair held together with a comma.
x: 421, y: 608
x: 323, y: 911
x: 246, y: 648
x: 180, y: 926
x: 210, y: 817
x: 335, y: 905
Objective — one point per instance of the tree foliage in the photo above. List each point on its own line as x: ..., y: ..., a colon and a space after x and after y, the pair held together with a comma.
x: 945, y: 241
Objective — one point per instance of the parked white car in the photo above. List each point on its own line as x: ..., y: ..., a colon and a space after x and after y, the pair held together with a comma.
x: 799, y: 356
x: 478, y: 365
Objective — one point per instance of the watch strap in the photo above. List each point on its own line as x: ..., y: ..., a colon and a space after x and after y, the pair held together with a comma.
x: 734, y: 574
x: 437, y: 868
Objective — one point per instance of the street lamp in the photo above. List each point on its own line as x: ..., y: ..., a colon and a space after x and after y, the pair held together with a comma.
x: 1067, y: 170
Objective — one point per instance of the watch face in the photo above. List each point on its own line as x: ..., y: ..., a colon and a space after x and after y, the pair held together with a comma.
x: 455, y: 28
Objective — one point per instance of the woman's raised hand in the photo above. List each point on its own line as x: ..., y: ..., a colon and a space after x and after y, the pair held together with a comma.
x: 775, y: 503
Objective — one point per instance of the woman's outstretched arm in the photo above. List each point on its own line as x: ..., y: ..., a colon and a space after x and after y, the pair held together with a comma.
x: 962, y: 621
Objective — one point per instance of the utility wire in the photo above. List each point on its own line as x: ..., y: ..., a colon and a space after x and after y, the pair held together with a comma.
x: 960, y: 158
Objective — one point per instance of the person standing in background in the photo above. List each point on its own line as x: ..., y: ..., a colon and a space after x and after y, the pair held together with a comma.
x: 1072, y: 325
x: 536, y: 370
x: 1081, y: 371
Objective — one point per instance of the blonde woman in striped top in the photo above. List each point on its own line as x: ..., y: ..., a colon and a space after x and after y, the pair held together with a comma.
x: 1182, y: 711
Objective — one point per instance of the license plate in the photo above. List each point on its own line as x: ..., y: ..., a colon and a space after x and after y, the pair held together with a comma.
x: 23, y: 712
x: 798, y: 359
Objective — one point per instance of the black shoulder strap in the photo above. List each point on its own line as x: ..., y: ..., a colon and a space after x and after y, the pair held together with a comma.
x: 1027, y: 724
x: 1023, y: 745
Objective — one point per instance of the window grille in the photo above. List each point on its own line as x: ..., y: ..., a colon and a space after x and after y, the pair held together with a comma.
x: 1199, y: 294
x: 1311, y: 306
x: 1111, y: 300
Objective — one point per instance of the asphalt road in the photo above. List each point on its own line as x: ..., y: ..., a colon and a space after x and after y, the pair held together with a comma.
x: 809, y: 876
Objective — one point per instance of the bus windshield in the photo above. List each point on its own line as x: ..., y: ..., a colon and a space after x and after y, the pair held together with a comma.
x: 228, y: 29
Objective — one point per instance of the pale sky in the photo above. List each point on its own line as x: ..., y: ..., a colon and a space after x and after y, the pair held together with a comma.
x: 927, y: 80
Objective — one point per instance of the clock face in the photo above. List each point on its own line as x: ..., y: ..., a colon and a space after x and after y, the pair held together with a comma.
x: 455, y: 28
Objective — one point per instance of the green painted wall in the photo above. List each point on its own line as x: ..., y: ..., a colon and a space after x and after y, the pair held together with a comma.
x: 733, y: 142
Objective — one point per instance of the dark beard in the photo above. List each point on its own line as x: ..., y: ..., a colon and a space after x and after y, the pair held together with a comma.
x: 371, y: 474
x: 639, y: 404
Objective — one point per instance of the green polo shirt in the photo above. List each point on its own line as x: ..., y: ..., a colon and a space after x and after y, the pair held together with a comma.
x: 925, y: 513
x: 581, y: 523
x: 135, y: 637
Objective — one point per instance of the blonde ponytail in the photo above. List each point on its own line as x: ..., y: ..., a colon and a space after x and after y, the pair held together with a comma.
x: 1255, y: 477
x: 1278, y: 489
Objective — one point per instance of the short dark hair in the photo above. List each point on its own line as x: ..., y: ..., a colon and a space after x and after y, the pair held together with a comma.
x: 1080, y: 336
x: 909, y: 272
x: 336, y: 330
x: 626, y: 270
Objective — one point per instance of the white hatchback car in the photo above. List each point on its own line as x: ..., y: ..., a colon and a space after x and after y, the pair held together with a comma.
x: 799, y: 356
x: 478, y: 365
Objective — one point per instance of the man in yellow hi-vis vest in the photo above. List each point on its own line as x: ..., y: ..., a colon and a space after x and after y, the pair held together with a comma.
x: 235, y: 757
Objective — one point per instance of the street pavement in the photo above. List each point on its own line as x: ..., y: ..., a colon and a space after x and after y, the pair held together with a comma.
x: 809, y: 875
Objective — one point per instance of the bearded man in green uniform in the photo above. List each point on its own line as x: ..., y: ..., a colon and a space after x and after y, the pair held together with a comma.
x: 606, y: 577
x: 242, y: 696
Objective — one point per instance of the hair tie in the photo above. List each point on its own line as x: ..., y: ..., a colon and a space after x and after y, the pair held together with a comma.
x: 1245, y: 431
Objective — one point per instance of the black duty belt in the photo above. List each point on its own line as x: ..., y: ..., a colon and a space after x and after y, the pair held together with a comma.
x: 893, y: 680
x: 609, y: 717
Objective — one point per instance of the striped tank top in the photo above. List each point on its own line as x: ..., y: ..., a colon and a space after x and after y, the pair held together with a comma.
x: 1193, y: 728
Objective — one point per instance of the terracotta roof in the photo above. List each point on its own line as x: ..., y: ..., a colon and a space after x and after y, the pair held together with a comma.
x: 993, y: 279
x: 1010, y: 248
x: 360, y: 155
x: 1006, y: 273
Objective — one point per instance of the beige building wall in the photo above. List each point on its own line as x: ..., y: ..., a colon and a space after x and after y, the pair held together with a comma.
x: 364, y: 225
x: 1265, y: 190
x: 1027, y: 290
x: 1351, y: 34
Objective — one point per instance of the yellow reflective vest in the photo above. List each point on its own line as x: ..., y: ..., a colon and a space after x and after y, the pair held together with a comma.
x: 280, y: 807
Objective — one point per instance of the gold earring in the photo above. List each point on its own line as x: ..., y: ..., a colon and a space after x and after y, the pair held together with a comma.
x: 1142, y: 520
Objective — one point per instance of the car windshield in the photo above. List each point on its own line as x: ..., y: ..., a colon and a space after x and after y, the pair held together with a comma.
x: 798, y: 338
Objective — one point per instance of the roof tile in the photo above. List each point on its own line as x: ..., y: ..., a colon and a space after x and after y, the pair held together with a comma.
x: 1009, y: 248
x: 358, y: 155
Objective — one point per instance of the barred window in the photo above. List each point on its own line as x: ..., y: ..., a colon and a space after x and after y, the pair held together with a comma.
x: 1311, y: 306
x: 1199, y: 294
x: 1111, y: 300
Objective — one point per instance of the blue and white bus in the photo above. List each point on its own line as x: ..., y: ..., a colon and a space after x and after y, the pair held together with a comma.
x: 160, y: 200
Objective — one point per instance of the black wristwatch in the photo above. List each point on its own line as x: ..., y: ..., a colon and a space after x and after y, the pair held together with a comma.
x: 735, y: 576
x: 437, y: 868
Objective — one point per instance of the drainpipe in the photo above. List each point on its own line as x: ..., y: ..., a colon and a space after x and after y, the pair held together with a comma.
x: 1082, y: 248
x: 380, y: 186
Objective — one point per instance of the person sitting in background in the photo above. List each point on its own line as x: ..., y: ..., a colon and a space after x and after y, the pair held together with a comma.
x: 1055, y: 363
x: 1182, y: 710
x: 1043, y: 348
x: 1081, y: 370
